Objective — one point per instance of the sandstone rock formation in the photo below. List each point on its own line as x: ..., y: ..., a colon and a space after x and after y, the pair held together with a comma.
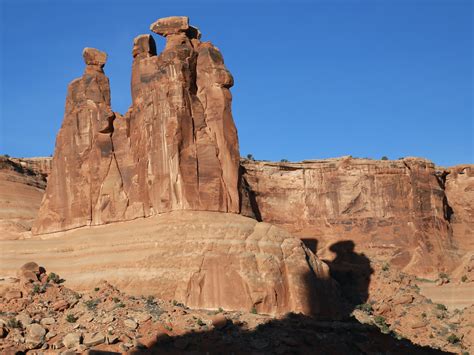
x: 176, y: 148
x: 22, y: 187
x: 459, y: 182
x: 395, y: 209
x: 203, y: 259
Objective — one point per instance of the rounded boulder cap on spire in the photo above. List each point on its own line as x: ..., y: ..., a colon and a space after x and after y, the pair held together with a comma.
x: 93, y: 56
x: 170, y: 25
x: 144, y: 45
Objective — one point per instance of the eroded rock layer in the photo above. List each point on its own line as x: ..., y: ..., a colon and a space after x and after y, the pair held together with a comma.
x: 203, y: 259
x: 176, y: 147
x: 22, y: 186
x: 397, y: 210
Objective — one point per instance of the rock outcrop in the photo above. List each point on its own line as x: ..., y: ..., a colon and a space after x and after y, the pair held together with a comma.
x: 175, y: 149
x: 459, y: 183
x: 203, y: 259
x: 22, y: 187
x: 397, y: 210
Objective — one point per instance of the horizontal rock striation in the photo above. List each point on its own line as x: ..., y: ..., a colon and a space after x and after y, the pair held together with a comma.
x: 22, y: 187
x: 398, y: 210
x: 175, y: 149
x: 203, y: 259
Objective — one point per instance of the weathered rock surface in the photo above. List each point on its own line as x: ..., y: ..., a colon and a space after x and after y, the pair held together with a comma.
x: 398, y: 210
x: 22, y: 186
x: 175, y: 149
x: 197, y: 258
x: 459, y: 182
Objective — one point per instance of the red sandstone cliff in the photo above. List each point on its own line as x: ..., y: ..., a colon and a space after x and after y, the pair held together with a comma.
x: 22, y: 185
x: 402, y: 211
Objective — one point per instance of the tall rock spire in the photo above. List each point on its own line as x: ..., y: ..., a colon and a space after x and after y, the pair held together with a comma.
x: 176, y: 147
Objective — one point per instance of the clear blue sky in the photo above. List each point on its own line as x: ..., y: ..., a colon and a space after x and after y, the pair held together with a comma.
x: 313, y: 79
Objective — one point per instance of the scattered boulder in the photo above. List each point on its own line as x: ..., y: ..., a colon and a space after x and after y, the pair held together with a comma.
x: 130, y: 323
x: 60, y: 305
x: 34, y: 336
x: 47, y: 321
x: 72, y: 340
x: 219, y: 321
x: 111, y: 338
x: 92, y: 339
x: 403, y: 299
x: 24, y: 319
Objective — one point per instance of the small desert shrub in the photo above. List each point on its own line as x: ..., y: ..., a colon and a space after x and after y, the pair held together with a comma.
x: 116, y: 300
x: 120, y: 305
x: 200, y: 322
x: 441, y: 307
x: 443, y: 275
x: 150, y: 301
x: 464, y: 278
x: 36, y: 289
x: 167, y: 327
x: 70, y: 318
x: 178, y: 304
x: 250, y: 157
x: 284, y: 160
x: 384, y: 158
x: 385, y: 266
x: 382, y: 324
x: 253, y: 310
x: 91, y: 304
x: 52, y: 277
x: 453, y: 339
x: 13, y: 323
x: 423, y: 315
x: 96, y: 289
x: 365, y: 307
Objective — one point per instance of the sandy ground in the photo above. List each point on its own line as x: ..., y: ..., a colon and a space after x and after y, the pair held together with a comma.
x: 453, y: 296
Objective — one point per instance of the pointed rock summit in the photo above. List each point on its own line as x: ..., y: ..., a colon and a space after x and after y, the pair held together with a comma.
x: 176, y: 148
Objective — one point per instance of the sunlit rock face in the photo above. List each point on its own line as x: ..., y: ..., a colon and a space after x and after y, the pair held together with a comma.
x: 176, y: 148
x: 407, y: 211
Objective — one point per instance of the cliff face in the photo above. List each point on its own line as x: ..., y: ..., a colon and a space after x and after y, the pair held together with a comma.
x: 22, y: 186
x: 176, y: 147
x: 459, y: 182
x: 397, y: 210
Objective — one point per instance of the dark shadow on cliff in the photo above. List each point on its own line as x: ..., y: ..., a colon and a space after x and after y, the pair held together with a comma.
x: 352, y: 271
x: 248, y: 198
